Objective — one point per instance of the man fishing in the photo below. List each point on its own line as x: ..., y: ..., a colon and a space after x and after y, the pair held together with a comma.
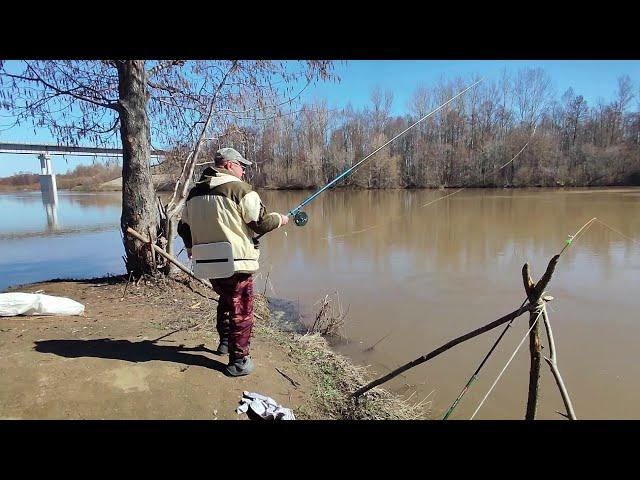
x: 222, y: 212
x: 219, y: 215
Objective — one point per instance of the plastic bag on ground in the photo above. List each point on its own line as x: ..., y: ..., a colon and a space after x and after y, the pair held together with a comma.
x: 12, y: 304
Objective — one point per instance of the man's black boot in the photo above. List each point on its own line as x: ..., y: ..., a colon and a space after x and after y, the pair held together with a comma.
x: 240, y: 366
x: 223, y: 346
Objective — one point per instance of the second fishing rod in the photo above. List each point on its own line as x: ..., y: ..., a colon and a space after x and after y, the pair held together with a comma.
x: 301, y: 218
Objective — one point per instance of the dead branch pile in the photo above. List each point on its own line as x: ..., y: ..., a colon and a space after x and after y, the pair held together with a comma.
x: 330, y: 317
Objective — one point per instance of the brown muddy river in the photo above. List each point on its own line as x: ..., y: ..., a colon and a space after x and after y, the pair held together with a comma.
x: 420, y: 276
x: 427, y: 275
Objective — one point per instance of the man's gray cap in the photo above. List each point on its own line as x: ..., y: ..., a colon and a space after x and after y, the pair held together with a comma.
x: 230, y: 155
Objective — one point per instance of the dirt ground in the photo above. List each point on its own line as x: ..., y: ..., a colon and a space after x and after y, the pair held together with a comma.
x: 111, y: 363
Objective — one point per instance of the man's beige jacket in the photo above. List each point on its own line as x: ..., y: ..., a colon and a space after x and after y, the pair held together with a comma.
x: 222, y: 208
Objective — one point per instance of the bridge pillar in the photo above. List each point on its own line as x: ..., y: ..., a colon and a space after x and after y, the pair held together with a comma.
x: 48, y: 185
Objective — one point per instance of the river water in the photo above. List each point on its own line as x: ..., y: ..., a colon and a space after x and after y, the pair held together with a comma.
x: 418, y: 276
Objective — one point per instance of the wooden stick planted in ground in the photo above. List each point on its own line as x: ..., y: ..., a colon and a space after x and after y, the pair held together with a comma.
x: 265, y: 284
x: 535, y: 349
x: 534, y: 293
x: 552, y: 362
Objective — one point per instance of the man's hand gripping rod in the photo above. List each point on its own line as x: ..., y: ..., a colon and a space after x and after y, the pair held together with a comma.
x: 299, y: 217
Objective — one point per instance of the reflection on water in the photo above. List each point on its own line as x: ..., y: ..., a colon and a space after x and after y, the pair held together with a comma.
x: 77, y: 236
x: 52, y: 215
x: 431, y: 274
x: 50, y: 202
x: 417, y: 276
x: 23, y: 213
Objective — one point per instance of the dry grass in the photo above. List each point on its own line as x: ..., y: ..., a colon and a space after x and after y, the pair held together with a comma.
x: 334, y: 378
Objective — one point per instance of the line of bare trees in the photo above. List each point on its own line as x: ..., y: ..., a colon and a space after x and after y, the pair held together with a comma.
x: 571, y: 143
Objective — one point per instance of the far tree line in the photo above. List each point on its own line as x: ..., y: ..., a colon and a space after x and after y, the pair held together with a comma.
x: 84, y: 176
x: 569, y: 142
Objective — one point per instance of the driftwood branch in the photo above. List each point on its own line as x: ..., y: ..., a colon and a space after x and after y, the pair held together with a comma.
x: 443, y: 348
x: 553, y: 364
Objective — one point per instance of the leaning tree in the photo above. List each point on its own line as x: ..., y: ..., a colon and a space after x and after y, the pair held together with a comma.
x: 172, y: 102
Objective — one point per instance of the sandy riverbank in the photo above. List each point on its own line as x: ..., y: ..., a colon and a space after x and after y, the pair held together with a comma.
x: 111, y: 363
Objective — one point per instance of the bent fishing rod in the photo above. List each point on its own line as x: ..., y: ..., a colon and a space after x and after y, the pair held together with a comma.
x: 301, y: 218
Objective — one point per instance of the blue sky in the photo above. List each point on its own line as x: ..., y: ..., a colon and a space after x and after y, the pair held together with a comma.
x: 594, y: 79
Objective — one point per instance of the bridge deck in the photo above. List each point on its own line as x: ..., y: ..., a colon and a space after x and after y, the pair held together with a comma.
x: 34, y: 148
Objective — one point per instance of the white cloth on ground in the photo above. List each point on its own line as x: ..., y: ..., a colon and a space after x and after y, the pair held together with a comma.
x: 17, y: 303
x: 263, y: 406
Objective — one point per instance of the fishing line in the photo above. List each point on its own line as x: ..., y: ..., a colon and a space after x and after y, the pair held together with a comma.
x: 331, y: 237
x: 576, y: 235
x: 521, y: 150
x: 301, y: 218
x: 508, y: 362
x: 616, y: 231
x: 442, y: 198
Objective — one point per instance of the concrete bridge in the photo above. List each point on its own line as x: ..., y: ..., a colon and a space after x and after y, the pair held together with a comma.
x: 45, y: 151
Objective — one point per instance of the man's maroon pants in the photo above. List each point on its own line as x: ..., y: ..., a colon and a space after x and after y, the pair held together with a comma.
x: 235, y: 312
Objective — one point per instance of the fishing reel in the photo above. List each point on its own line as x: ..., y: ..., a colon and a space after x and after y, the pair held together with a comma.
x: 300, y: 218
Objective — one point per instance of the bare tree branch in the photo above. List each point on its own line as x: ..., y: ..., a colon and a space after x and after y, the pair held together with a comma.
x: 164, y: 65
x: 60, y: 91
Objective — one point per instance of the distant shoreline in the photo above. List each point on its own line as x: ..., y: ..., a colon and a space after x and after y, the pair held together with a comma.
x: 169, y: 188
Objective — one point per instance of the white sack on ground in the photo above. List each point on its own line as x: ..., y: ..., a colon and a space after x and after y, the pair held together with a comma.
x: 12, y: 304
x: 263, y: 406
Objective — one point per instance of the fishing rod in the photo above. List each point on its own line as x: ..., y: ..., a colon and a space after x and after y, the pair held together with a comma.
x: 301, y: 218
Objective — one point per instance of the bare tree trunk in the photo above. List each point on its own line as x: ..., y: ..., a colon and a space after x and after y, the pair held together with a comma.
x: 170, y: 226
x: 138, y: 196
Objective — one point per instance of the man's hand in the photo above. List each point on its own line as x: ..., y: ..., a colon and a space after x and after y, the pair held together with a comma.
x: 285, y: 220
x: 189, y: 253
